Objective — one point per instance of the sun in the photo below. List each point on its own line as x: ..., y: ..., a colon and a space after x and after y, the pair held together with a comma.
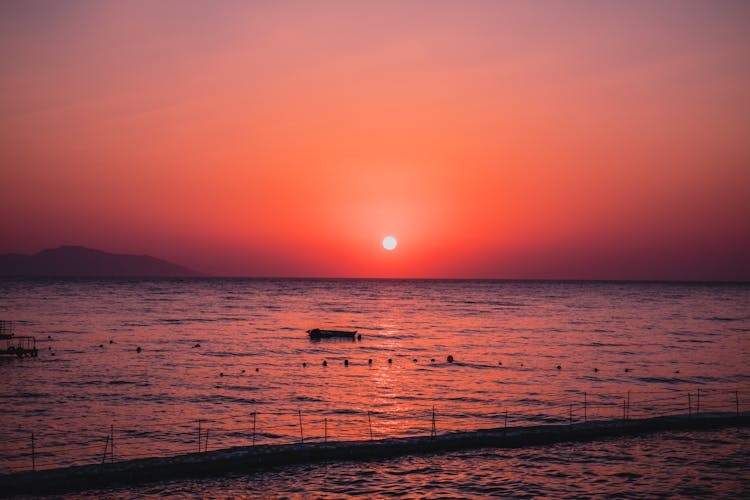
x: 389, y: 242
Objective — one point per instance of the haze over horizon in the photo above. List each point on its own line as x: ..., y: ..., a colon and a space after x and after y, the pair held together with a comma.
x: 556, y: 140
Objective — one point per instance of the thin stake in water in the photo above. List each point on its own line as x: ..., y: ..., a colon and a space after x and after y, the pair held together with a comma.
x: 33, y: 454
x: 106, y: 447
x: 737, y: 401
x: 690, y: 405
x: 505, y: 428
x: 199, y: 436
x: 433, y: 432
x: 205, y: 441
x: 570, y: 414
x: 325, y: 430
x: 112, y: 442
x: 628, y: 417
x: 254, y: 413
x: 698, y: 403
x: 301, y: 436
x: 585, y: 408
x: 369, y: 423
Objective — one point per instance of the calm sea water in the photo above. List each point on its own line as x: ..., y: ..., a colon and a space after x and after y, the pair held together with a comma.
x: 230, y: 353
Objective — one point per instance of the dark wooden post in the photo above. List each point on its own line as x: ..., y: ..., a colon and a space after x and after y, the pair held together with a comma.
x: 434, y: 423
x: 570, y: 414
x: 585, y: 408
x: 254, y: 413
x: 199, y: 436
x: 112, y: 441
x: 433, y: 431
x: 628, y: 417
x: 205, y: 441
x: 505, y: 427
x: 106, y: 447
x: 698, y: 403
x: 301, y: 435
x: 690, y: 405
x: 325, y: 430
x: 369, y: 423
x: 33, y: 454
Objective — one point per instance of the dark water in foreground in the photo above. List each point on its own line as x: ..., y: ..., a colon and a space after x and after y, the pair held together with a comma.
x: 661, y: 348
x: 712, y: 464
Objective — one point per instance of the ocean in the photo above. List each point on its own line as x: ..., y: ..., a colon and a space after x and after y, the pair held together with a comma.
x: 164, y: 367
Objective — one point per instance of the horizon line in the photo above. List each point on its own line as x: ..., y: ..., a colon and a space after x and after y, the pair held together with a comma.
x: 374, y: 278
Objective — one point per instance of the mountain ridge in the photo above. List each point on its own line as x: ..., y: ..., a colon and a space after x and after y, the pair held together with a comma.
x: 84, y: 262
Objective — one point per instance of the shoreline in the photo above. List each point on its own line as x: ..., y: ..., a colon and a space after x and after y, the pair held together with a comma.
x: 253, y: 458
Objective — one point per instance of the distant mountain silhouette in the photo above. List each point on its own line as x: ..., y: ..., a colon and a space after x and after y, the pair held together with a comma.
x: 79, y: 261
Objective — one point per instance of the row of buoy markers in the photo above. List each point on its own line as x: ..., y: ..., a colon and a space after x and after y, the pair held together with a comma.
x: 449, y: 359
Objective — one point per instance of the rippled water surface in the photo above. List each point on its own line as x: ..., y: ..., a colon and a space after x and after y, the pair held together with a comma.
x: 685, y: 465
x: 230, y: 354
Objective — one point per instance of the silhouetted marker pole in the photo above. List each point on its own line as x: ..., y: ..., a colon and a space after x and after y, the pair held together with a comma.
x: 301, y: 436
x: 369, y: 424
x: 623, y: 408
x: 585, y: 408
x: 254, y: 428
x: 106, y: 447
x: 628, y: 414
x: 199, y: 436
x: 505, y: 428
x: 433, y: 432
x: 690, y: 405
x: 33, y: 454
x: 205, y: 441
x: 698, y: 403
x: 325, y: 430
x: 112, y: 442
x: 570, y: 414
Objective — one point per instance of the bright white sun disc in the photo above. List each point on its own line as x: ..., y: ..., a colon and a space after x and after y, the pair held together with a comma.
x: 389, y: 242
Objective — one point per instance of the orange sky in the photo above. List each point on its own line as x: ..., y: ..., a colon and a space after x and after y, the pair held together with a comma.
x: 604, y: 140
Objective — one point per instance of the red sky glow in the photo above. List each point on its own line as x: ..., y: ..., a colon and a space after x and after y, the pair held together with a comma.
x: 493, y: 139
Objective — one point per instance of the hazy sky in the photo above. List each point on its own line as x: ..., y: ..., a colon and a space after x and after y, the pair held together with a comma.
x: 492, y: 139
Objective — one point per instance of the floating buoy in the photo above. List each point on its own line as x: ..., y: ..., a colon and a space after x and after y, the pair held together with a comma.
x: 559, y: 367
x: 304, y: 365
x: 257, y: 369
x: 196, y: 345
x: 359, y: 337
x: 390, y: 361
x: 243, y: 371
x: 627, y: 370
x: 101, y: 345
x: 499, y: 363
x: 415, y: 360
x: 369, y: 361
x: 346, y: 362
x: 111, y: 341
x: 432, y: 360
x: 138, y: 349
x: 450, y: 358
x: 49, y: 337
x: 596, y: 370
x: 221, y: 374
x: 677, y: 371
x: 325, y: 363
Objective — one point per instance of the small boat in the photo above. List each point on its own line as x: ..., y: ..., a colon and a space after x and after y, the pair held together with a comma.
x: 317, y: 333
